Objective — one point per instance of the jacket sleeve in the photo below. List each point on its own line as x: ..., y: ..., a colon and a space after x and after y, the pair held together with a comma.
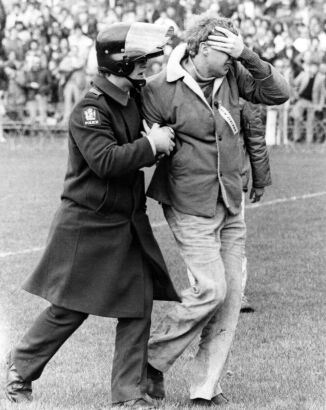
x: 150, y: 107
x: 255, y: 143
x: 99, y: 145
x: 258, y: 81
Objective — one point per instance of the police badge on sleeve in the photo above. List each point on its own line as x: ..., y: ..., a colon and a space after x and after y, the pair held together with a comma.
x: 91, y: 116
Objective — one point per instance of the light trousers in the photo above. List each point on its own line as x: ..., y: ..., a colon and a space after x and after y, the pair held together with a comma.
x: 212, y: 249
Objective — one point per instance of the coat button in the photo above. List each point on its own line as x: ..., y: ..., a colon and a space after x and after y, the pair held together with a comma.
x: 220, y: 138
x: 216, y: 104
x: 221, y: 175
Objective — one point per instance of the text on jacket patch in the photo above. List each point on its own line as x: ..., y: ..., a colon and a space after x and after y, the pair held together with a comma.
x: 91, y: 116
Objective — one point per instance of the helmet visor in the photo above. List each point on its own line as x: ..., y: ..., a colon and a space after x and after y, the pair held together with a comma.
x: 146, y: 57
x: 145, y: 39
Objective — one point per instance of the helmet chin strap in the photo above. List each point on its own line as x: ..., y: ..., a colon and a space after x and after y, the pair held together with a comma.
x: 135, y: 83
x: 138, y: 84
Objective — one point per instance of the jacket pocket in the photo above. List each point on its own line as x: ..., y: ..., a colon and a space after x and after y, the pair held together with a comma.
x: 108, y: 201
x: 182, y: 157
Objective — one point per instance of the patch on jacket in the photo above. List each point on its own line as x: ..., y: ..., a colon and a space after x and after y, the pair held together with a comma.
x: 91, y: 116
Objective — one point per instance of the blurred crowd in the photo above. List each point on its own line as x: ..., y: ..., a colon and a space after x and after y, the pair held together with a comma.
x: 47, y: 54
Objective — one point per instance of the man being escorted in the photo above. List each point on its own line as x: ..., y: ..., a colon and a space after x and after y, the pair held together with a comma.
x: 101, y: 257
x: 200, y: 187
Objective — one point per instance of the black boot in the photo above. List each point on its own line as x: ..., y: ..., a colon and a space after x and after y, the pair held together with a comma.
x: 18, y: 390
x: 218, y: 400
x: 155, y: 383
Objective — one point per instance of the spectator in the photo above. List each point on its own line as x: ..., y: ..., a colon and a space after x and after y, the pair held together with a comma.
x: 91, y: 65
x: 41, y: 25
x: 82, y: 21
x: 12, y: 60
x: 13, y: 43
x: 79, y: 41
x: 16, y: 96
x: 47, y: 15
x: 310, y: 95
x: 64, y: 47
x: 129, y: 17
x: 37, y: 87
x: 110, y: 18
x: 274, y: 29
x: 315, y: 50
x: 314, y: 26
x: 65, y: 21
x: 34, y: 52
x: 13, y: 16
x: 92, y: 28
x: 52, y: 47
x: 302, y: 42
x: 54, y: 28
x: 22, y: 32
x: 31, y: 14
x: 72, y: 80
x: 3, y: 93
x: 165, y: 20
x: 40, y: 36
x: 3, y: 18
x: 3, y: 79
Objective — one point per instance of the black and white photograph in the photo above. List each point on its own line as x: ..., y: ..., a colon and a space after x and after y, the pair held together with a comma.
x: 162, y: 204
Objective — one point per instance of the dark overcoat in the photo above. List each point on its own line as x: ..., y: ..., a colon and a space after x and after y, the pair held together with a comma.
x: 100, y: 236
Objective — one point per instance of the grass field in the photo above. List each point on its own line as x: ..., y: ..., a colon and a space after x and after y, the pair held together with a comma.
x: 278, y: 356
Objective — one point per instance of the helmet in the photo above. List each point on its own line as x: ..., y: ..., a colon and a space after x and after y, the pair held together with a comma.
x: 120, y: 45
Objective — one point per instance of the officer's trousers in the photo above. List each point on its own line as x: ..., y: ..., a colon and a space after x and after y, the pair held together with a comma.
x: 54, y: 326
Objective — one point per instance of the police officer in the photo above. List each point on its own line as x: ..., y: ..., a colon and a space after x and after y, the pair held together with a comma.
x: 101, y: 257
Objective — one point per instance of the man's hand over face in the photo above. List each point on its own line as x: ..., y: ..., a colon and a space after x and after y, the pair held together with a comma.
x: 232, y: 44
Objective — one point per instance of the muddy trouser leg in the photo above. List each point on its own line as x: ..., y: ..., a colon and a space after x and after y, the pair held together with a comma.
x: 212, y: 249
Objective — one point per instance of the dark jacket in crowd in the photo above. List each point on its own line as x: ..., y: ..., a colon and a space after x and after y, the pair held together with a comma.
x: 101, y: 234
x: 37, y: 82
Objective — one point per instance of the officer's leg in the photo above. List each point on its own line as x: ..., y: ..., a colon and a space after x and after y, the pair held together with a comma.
x: 48, y: 333
x: 129, y: 369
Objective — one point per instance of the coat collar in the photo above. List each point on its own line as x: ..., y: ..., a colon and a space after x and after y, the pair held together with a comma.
x: 174, y: 72
x: 110, y: 89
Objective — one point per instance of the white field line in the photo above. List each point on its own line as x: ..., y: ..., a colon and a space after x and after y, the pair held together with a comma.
x: 21, y: 252
x: 260, y: 204
x: 161, y: 224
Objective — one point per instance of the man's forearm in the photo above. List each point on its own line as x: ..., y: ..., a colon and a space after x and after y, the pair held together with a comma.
x: 258, y: 68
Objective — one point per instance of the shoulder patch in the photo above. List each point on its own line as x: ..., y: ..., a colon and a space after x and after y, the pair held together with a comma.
x: 94, y: 92
x: 91, y: 116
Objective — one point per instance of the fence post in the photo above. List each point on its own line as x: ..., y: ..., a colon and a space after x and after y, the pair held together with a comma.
x: 271, y: 126
x: 2, y: 113
x: 285, y: 122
